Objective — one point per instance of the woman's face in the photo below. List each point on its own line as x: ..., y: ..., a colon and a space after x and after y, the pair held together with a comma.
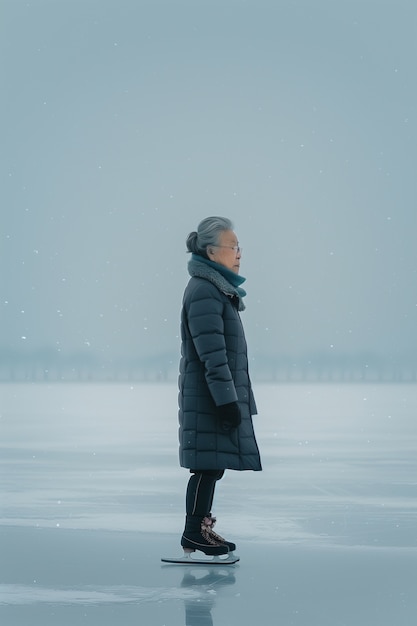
x: 227, y: 252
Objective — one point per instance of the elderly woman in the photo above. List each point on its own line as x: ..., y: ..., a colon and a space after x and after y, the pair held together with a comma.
x: 216, y: 402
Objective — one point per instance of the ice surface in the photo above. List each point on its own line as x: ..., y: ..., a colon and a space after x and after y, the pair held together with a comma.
x: 92, y: 497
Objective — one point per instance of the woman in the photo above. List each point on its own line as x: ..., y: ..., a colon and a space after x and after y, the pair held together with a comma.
x: 216, y: 402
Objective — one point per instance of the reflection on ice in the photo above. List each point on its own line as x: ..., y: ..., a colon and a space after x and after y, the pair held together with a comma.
x: 199, y: 610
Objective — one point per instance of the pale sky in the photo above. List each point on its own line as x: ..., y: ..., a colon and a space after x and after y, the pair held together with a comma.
x: 126, y: 122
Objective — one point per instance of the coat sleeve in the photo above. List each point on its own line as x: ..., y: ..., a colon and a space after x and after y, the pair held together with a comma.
x: 205, y: 321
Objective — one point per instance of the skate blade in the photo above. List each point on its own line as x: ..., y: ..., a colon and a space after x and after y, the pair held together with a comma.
x: 188, y: 559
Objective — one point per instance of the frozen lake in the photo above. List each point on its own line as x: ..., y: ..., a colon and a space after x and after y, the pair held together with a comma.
x: 92, y: 496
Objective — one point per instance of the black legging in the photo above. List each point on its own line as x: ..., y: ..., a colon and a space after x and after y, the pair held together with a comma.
x: 200, y: 491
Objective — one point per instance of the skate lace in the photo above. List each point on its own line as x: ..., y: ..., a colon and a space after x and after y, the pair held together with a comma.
x: 217, y: 537
x: 208, y: 534
x: 208, y: 524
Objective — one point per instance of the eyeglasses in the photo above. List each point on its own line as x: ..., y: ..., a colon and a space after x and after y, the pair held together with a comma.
x: 237, y: 249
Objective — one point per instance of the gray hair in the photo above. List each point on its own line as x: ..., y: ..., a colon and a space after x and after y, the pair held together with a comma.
x: 207, y: 234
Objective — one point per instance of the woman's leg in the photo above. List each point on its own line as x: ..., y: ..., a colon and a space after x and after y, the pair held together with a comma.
x: 200, y: 491
x: 197, y: 533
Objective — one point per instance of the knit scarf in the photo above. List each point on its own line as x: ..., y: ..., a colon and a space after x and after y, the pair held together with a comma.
x: 226, y: 281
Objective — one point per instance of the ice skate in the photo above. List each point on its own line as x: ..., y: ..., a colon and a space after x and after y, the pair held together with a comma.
x: 197, y: 537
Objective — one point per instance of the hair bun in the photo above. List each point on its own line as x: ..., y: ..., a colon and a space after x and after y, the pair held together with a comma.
x: 191, y: 242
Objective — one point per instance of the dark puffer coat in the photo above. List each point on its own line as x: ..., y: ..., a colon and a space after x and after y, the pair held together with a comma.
x: 213, y: 372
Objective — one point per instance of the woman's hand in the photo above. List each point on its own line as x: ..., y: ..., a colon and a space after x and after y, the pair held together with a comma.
x: 229, y: 415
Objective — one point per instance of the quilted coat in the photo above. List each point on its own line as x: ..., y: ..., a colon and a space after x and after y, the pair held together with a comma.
x: 213, y: 372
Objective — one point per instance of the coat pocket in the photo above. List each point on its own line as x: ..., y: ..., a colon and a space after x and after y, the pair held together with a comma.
x: 234, y: 437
